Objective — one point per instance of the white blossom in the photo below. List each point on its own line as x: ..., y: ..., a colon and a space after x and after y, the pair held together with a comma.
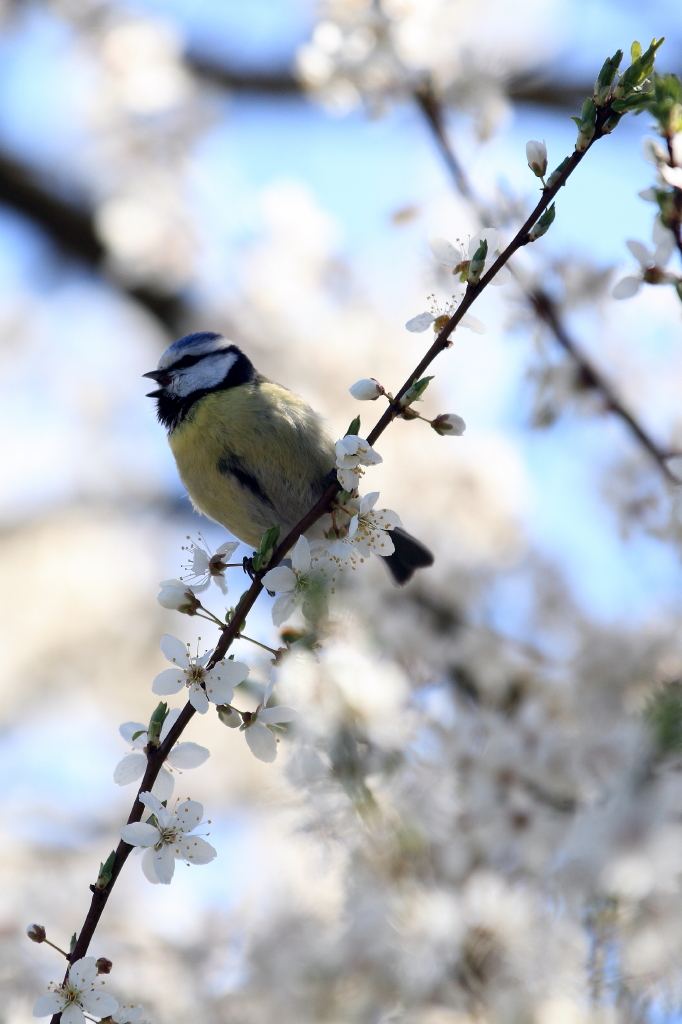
x: 458, y: 260
x: 81, y: 991
x: 672, y: 175
x: 352, y: 453
x: 366, y: 390
x: 536, y: 154
x: 206, y: 567
x: 419, y: 323
x: 300, y: 584
x: 177, y: 596
x: 204, y: 686
x: 132, y: 766
x: 651, y: 263
x: 367, y: 530
x: 262, y: 725
x: 168, y: 840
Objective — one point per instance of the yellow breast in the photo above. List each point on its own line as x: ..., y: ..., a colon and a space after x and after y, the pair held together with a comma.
x: 251, y: 457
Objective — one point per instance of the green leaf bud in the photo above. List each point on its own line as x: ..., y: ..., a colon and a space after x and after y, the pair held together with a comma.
x: 604, y: 83
x: 354, y: 427
x: 415, y: 392
x: 555, y: 175
x: 156, y: 722
x: 640, y: 69
x: 541, y: 226
x: 105, y: 872
x: 477, y: 264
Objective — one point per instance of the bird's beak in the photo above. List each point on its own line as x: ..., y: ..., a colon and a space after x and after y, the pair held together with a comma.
x: 161, y: 377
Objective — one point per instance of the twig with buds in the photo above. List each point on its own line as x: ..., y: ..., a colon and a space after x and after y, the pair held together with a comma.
x: 544, y: 307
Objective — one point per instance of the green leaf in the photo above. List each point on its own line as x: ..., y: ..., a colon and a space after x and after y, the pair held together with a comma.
x: 554, y: 176
x: 415, y: 392
x: 74, y: 940
x: 635, y: 51
x: 354, y: 427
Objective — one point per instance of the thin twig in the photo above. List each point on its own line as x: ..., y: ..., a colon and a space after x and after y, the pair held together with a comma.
x: 544, y: 307
x: 157, y: 756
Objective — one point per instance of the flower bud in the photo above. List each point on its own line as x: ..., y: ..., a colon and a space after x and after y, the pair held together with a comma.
x: 36, y: 933
x: 366, y: 390
x: 449, y: 423
x: 229, y: 717
x: 536, y: 154
x: 103, y: 965
x: 177, y: 596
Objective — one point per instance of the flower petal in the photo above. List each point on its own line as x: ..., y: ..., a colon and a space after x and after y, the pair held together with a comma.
x: 199, y: 561
x: 169, y: 681
x: 218, y: 690
x: 174, y: 649
x: 198, y: 699
x: 164, y: 864
x: 283, y: 608
x: 261, y: 741
x: 273, y: 716
x: 128, y: 730
x: 300, y: 556
x: 164, y: 785
x: 489, y: 235
x: 47, y: 1004
x: 473, y: 324
x: 419, y: 323
x: 188, y: 755
x: 188, y: 814
x: 503, y: 275
x: 148, y: 859
x: 196, y: 850
x: 227, y: 549
x: 84, y: 971
x: 445, y: 252
x: 153, y: 803
x: 627, y: 287
x: 234, y: 672
x: 280, y: 579
x: 368, y: 502
x: 98, y: 1002
x: 130, y: 768
x: 73, y: 1015
x: 640, y: 252
x: 171, y: 719
x: 139, y: 833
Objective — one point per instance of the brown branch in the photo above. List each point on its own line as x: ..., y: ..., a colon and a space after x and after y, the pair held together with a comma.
x: 544, y: 307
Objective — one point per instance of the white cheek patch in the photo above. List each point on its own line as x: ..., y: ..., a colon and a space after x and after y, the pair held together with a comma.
x: 207, y: 373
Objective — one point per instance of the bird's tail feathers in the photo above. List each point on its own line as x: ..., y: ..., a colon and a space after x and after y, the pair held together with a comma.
x: 409, y: 555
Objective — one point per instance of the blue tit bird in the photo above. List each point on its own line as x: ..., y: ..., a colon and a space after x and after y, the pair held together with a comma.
x: 251, y: 453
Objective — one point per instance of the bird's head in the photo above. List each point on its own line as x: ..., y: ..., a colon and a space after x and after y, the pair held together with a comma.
x: 194, y: 366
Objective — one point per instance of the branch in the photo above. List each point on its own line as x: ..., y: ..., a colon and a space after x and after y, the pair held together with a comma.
x: 156, y: 756
x: 70, y: 227
x: 533, y: 87
x: 543, y: 306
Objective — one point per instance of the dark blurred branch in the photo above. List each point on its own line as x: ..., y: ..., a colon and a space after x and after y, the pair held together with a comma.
x: 531, y: 88
x: 540, y: 302
x: 70, y: 227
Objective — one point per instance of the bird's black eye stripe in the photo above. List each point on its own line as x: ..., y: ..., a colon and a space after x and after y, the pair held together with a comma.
x: 185, y: 362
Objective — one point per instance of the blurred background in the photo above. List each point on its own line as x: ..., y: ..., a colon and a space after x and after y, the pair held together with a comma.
x: 479, y: 816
